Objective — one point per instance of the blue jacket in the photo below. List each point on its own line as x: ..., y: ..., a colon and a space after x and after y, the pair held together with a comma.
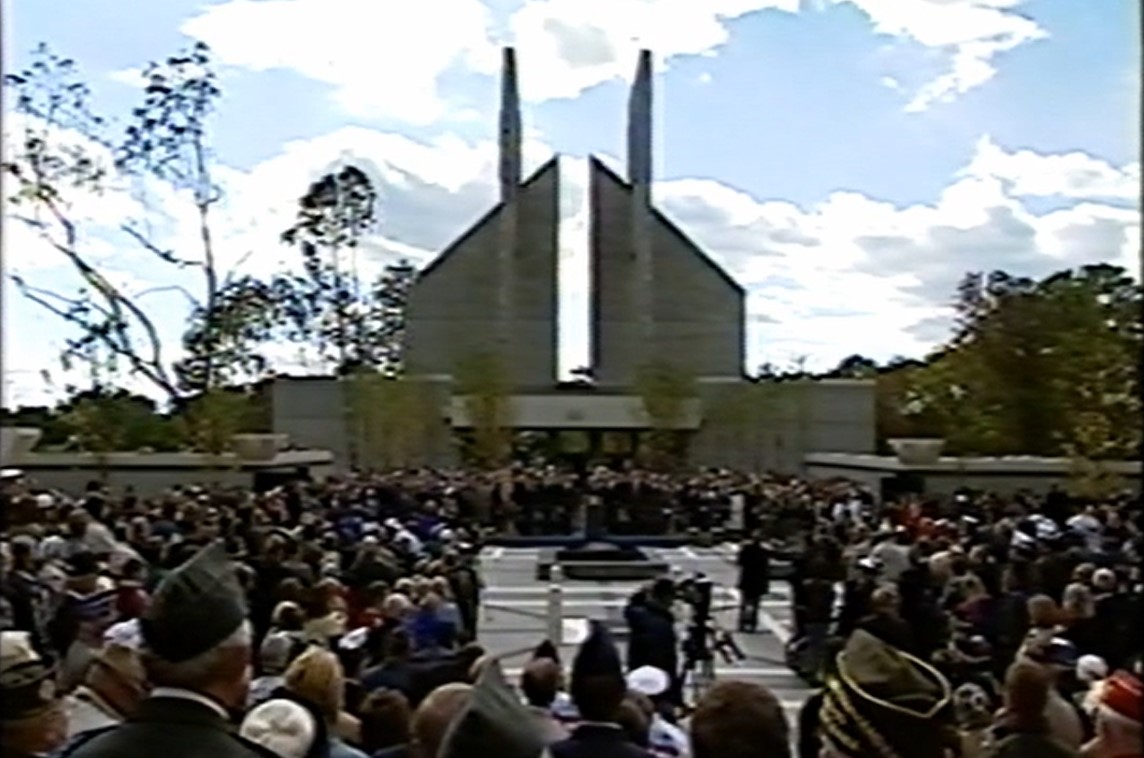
x: 428, y: 630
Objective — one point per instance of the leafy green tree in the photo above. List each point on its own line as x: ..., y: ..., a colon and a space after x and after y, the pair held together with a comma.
x: 483, y: 382
x: 854, y: 367
x: 664, y: 390
x: 1045, y: 367
x: 210, y: 420
x: 394, y: 419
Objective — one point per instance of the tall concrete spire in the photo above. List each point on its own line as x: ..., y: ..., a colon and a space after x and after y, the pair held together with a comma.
x: 639, y: 123
x: 639, y: 175
x: 510, y: 178
x: 510, y: 131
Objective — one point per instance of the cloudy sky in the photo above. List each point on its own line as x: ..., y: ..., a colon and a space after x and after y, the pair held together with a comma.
x: 846, y: 160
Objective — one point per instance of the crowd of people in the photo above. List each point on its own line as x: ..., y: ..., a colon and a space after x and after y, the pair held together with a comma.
x: 341, y: 620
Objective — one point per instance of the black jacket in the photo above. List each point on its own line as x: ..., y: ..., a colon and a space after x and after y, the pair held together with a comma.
x: 754, y: 569
x: 597, y: 741
x: 170, y: 727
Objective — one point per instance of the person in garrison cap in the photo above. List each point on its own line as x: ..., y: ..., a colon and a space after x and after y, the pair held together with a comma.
x: 33, y: 721
x: 493, y: 723
x: 598, y: 690
x: 882, y: 703
x: 196, y: 650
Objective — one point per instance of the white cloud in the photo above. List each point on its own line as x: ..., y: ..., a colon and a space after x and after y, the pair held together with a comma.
x: 850, y: 274
x: 383, y: 58
x: 573, y: 45
x: 972, y: 34
x: 387, y: 59
x: 1076, y: 175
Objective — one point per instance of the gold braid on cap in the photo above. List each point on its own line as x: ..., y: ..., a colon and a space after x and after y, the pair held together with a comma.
x: 937, y: 676
x: 835, y: 725
x: 838, y: 711
x: 849, y: 713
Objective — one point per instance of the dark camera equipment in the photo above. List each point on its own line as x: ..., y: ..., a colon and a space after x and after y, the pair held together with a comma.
x: 704, y: 638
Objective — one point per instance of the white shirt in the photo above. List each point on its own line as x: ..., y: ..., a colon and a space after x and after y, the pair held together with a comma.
x: 182, y: 694
x: 667, y: 739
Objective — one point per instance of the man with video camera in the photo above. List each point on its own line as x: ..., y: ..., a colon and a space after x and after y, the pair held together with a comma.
x: 651, y: 625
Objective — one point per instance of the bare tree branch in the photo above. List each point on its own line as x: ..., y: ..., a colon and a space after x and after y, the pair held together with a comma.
x: 191, y: 300
x: 165, y: 255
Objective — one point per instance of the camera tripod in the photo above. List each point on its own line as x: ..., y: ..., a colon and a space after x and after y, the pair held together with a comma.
x: 703, y: 642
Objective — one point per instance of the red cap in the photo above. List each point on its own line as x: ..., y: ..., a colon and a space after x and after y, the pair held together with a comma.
x: 1123, y: 695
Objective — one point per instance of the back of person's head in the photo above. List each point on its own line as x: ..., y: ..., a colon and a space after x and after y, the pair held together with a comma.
x: 283, y: 727
x: 598, y: 698
x: 1078, y: 601
x: 397, y: 606
x: 1026, y: 694
x: 316, y: 676
x: 288, y: 616
x: 385, y: 720
x: 739, y: 720
x: 884, y: 599
x: 634, y: 721
x: 434, y: 715
x: 430, y: 602
x: 1043, y: 611
x: 376, y: 592
x: 540, y: 681
x: 276, y: 652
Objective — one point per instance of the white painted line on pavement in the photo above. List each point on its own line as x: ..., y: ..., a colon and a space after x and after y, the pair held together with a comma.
x: 597, y: 603
x: 780, y: 630
x: 728, y: 671
x: 572, y: 589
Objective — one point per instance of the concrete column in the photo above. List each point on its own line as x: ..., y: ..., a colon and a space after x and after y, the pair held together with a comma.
x: 555, y: 615
x: 640, y: 177
x: 510, y: 177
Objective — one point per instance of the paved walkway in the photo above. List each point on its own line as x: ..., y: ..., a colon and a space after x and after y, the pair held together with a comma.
x: 514, y: 613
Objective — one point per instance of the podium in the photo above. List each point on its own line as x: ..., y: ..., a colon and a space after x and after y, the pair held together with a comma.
x: 593, y: 520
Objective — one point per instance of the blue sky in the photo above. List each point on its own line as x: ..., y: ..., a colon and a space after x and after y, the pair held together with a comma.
x: 958, y: 134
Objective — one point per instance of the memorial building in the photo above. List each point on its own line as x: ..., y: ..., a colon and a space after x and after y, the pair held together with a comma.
x: 663, y: 314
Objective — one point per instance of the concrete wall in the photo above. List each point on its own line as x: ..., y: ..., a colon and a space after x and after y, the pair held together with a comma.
x: 790, y: 420
x: 452, y: 310
x: 153, y: 473
x: 699, y: 311
x: 798, y: 418
x: 148, y: 482
x: 944, y: 483
x: 312, y: 412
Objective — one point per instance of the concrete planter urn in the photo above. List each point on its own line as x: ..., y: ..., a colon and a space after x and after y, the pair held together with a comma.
x: 258, y: 447
x: 917, y: 451
x: 16, y: 442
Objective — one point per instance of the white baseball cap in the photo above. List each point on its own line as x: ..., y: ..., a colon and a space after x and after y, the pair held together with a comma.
x: 648, y: 680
